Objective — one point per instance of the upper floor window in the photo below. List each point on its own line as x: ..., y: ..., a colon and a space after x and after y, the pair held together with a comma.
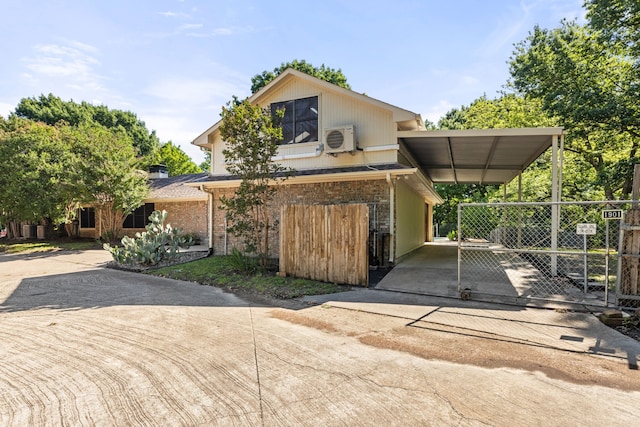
x: 300, y: 121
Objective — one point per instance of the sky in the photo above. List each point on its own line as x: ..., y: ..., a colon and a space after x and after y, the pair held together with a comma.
x: 175, y: 63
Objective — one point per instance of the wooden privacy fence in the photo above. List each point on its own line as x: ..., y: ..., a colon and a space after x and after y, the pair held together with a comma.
x: 325, y: 242
x: 628, y: 292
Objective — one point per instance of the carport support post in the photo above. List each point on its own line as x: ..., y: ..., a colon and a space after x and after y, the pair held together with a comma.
x: 519, y: 210
x: 555, y: 207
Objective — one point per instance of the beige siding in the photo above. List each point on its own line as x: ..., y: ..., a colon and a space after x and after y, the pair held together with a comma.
x: 374, y: 127
x: 410, y: 219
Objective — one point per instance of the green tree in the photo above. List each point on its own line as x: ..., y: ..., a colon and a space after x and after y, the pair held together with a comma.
x: 51, y: 109
x: 33, y: 173
x: 506, y: 111
x: 206, y: 163
x: 252, y: 139
x: 590, y: 83
x: 618, y: 22
x: 106, y: 170
x: 322, y: 72
x: 47, y: 172
x: 176, y: 160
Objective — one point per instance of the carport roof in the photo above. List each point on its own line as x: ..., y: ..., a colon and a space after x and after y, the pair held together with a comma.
x: 479, y: 156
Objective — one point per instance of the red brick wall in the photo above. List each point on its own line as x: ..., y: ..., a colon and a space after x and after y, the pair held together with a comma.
x: 373, y: 193
x: 191, y: 217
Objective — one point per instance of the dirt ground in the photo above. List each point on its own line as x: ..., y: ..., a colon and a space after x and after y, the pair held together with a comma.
x: 468, y: 347
x: 84, y: 345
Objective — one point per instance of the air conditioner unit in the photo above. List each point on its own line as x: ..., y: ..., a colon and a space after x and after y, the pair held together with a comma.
x: 340, y: 139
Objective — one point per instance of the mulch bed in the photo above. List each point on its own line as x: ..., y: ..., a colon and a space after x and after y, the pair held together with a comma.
x: 630, y: 329
x: 182, y: 258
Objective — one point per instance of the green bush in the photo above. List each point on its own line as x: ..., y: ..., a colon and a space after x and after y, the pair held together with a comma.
x: 159, y: 243
x: 452, y: 235
x: 242, y: 263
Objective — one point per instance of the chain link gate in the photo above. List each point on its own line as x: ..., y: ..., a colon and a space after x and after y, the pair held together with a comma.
x: 565, y: 251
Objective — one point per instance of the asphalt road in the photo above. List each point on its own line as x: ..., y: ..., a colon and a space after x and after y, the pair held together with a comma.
x: 84, y: 345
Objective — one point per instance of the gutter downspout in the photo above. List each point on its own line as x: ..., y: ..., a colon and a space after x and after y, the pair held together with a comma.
x: 392, y: 218
x: 209, y: 219
x: 210, y: 223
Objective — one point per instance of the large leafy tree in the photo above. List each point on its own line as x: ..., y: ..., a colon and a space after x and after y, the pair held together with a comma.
x: 33, y: 173
x: 51, y: 109
x: 105, y: 167
x: 587, y: 77
x: 617, y: 21
x: 506, y: 111
x: 177, y: 161
x: 322, y: 72
x: 252, y: 137
x: 48, y: 171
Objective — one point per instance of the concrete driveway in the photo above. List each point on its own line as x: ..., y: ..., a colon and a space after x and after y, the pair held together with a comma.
x: 84, y: 345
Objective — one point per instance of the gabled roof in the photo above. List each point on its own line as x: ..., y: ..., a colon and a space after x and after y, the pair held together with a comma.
x: 174, y: 189
x: 408, y: 120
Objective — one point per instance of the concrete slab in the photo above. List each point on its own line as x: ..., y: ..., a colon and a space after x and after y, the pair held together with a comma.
x: 488, y: 275
x: 559, y: 329
x: 84, y: 345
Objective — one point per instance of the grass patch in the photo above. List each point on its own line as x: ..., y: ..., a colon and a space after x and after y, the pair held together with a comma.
x: 219, y: 271
x: 27, y: 247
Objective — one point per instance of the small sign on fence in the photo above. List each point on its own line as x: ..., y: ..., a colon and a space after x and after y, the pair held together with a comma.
x: 612, y: 214
x: 586, y: 229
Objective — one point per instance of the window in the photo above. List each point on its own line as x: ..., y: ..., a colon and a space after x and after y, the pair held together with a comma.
x: 88, y: 218
x: 300, y: 121
x: 140, y: 217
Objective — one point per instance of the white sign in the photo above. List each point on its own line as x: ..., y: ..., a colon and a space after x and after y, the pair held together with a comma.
x: 587, y: 229
x: 612, y: 214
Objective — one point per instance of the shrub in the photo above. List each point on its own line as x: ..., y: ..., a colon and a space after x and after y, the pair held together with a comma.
x: 242, y: 263
x: 159, y: 243
x: 452, y: 235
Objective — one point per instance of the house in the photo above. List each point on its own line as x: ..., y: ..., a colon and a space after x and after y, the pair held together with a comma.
x: 346, y: 149
x: 186, y: 206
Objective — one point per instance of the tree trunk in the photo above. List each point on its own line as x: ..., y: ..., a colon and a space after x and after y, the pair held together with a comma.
x: 13, y: 229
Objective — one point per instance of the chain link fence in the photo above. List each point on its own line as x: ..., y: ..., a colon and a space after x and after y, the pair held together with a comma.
x: 564, y: 251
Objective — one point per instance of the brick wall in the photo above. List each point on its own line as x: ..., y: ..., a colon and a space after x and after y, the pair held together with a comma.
x: 373, y: 193
x: 191, y: 217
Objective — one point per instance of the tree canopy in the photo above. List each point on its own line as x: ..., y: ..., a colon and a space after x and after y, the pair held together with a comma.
x: 588, y: 78
x: 322, y: 72
x: 506, y: 111
x: 48, y: 171
x: 176, y: 160
x: 51, y: 109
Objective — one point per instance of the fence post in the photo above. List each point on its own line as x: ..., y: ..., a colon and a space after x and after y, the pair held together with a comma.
x: 459, y: 246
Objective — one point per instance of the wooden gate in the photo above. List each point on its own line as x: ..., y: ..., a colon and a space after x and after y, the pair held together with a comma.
x: 628, y: 289
x: 325, y: 242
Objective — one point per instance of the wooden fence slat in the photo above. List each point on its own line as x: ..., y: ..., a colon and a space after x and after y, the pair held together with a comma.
x: 325, y: 242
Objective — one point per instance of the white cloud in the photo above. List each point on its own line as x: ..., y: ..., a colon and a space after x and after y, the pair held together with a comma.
x: 514, y: 23
x: 181, y: 129
x: 182, y: 108
x: 6, y: 108
x: 221, y: 31
x: 190, y: 27
x: 181, y: 91
x: 436, y: 111
x: 73, y: 63
x: 469, y: 80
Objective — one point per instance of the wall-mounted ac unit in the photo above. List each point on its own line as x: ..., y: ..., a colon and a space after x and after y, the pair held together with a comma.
x: 340, y: 139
